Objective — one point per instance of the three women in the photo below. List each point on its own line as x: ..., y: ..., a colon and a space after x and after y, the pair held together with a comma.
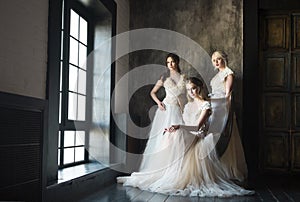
x: 181, y: 159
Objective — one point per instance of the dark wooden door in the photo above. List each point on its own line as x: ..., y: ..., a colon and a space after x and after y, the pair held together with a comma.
x: 280, y: 91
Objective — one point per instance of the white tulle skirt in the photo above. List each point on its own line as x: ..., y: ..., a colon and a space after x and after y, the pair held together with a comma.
x: 159, y: 151
x: 180, y: 163
x: 162, y: 150
x: 201, y: 173
x: 233, y: 160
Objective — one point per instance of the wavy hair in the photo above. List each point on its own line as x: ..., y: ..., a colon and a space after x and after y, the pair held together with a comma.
x: 200, y: 87
x: 222, y: 55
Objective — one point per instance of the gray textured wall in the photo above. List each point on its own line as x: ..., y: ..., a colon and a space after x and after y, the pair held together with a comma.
x: 23, y: 39
x: 213, y: 24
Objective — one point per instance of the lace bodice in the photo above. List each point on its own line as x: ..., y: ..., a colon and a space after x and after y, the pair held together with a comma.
x: 173, y: 90
x: 218, y: 83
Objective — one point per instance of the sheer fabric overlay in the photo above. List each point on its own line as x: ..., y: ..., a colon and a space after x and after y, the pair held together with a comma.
x: 160, y: 150
x: 233, y: 160
x: 181, y: 163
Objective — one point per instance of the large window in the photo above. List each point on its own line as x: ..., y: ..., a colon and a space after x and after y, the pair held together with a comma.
x: 79, y: 87
x: 73, y: 120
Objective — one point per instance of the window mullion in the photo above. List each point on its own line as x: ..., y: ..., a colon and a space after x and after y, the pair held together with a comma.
x: 65, y: 81
x: 65, y: 67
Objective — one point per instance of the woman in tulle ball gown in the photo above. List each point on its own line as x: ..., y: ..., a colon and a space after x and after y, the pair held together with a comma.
x: 196, y: 171
x: 233, y: 159
x: 202, y: 173
x: 162, y: 150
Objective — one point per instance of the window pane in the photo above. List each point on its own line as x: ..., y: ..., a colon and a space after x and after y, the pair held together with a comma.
x: 80, y: 138
x: 82, y: 82
x: 60, y: 76
x: 81, y: 108
x: 59, y: 139
x: 72, y: 106
x: 79, y: 153
x: 63, y: 15
x: 58, y: 157
x: 73, y: 75
x: 68, y: 155
x: 82, y: 56
x: 69, y: 138
x: 73, y: 51
x: 83, y: 31
x: 62, y: 45
x: 74, y: 24
x: 60, y: 107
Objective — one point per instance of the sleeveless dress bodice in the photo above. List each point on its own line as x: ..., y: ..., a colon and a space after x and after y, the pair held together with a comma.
x: 191, y: 116
x: 218, y: 83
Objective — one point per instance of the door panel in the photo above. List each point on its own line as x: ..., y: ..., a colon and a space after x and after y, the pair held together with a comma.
x: 276, y: 72
x: 296, y: 32
x: 275, y: 114
x: 296, y: 152
x: 275, y: 32
x: 275, y: 160
x: 296, y: 112
x: 296, y: 70
x: 280, y: 91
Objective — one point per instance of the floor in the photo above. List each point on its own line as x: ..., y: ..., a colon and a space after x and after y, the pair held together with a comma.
x: 267, y: 189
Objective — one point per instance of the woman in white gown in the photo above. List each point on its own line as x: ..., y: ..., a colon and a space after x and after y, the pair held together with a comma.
x: 196, y: 171
x: 169, y: 112
x: 161, y: 150
x: 233, y: 159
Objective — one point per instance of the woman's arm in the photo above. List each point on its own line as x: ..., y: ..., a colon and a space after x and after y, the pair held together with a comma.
x: 228, y: 85
x: 153, y: 92
x: 202, y: 120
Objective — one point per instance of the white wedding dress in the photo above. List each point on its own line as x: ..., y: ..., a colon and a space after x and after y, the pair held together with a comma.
x: 161, y: 150
x: 157, y: 152
x: 233, y: 160
x: 185, y: 164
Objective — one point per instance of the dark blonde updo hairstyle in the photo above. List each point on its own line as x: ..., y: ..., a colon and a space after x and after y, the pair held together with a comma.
x: 221, y: 54
x: 200, y: 87
x: 176, y: 60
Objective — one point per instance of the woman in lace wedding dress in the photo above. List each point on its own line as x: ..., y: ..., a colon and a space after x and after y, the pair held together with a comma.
x: 169, y: 112
x: 161, y: 150
x: 233, y: 159
x: 196, y: 170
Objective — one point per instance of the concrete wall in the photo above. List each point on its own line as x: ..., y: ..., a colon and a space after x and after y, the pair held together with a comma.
x: 23, y: 54
x: 213, y: 24
x: 122, y: 64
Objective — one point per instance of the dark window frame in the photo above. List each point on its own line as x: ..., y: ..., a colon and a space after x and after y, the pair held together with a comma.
x: 67, y: 124
x: 50, y: 145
